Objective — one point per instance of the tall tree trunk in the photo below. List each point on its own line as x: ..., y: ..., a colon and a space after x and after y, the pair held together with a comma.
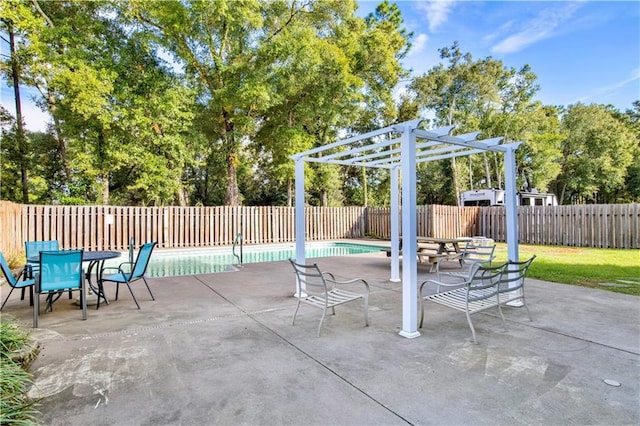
x: 58, y: 135
x: 498, y: 172
x: 289, y: 193
x: 232, y: 197
x: 21, y: 140
x: 105, y: 188
x: 561, y: 200
x: 182, y: 197
x: 102, y: 161
x: 454, y: 176
x: 487, y: 170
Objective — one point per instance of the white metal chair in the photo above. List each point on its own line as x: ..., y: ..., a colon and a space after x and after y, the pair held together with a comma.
x: 512, y: 283
x: 484, y: 288
x: 475, y: 252
x: 320, y: 289
x: 478, y: 292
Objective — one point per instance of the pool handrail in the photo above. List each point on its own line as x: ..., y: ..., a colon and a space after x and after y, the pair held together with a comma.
x: 233, y: 250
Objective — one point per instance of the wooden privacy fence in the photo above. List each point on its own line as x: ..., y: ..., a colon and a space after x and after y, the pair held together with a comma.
x: 432, y: 221
x: 110, y: 227
x: 585, y: 225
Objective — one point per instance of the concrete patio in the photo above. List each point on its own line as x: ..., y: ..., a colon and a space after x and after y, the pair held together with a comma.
x: 220, y: 349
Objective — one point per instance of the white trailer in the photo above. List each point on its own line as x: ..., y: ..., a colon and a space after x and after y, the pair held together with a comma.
x: 496, y: 197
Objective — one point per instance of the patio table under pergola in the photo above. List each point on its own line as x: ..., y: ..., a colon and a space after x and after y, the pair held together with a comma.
x: 399, y: 148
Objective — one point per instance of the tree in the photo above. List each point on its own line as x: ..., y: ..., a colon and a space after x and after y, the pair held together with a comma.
x: 633, y: 176
x: 122, y: 122
x: 597, y: 150
x: 13, y: 66
x: 276, y: 77
x: 458, y: 93
x: 217, y: 44
x: 487, y: 96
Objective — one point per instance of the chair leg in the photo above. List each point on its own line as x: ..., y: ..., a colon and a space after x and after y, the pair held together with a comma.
x: 473, y: 330
x: 296, y: 313
x: 132, y: 295
x: 145, y: 283
x: 8, y: 296
x: 36, y: 309
x: 366, y: 310
x: 504, y: 322
x: 324, y: 314
x: 83, y: 301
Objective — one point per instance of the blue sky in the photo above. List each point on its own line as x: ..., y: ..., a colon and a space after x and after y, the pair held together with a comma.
x: 582, y: 51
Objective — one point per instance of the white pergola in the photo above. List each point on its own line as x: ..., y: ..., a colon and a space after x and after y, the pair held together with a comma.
x: 400, y: 148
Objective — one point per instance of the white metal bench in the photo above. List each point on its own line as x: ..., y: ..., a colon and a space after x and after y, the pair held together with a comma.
x: 320, y: 289
x: 485, y: 287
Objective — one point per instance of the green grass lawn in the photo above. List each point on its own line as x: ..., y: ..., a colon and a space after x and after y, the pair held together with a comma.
x: 610, y: 269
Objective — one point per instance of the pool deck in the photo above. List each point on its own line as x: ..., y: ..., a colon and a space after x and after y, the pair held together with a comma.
x: 220, y: 349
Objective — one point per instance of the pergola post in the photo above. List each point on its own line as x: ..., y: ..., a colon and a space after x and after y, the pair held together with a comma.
x: 409, y: 235
x: 300, y: 215
x: 395, y: 226
x: 511, y: 206
x: 511, y: 203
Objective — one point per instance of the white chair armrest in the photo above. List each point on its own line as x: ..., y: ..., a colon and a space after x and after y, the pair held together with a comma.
x: 351, y: 281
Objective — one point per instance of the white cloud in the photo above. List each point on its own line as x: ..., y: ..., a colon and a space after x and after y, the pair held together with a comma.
x: 604, y: 91
x: 437, y: 11
x: 419, y: 43
x: 539, y: 28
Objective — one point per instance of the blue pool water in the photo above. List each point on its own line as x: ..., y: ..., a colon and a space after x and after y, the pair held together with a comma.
x: 205, y: 261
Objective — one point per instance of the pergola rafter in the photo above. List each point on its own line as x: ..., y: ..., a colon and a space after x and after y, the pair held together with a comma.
x: 399, y: 148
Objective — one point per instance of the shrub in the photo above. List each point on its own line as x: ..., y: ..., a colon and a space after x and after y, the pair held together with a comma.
x: 15, y: 406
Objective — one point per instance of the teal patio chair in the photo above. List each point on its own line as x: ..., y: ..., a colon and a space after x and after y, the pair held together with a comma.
x: 59, y: 271
x: 129, y: 272
x: 16, y: 282
x: 33, y: 248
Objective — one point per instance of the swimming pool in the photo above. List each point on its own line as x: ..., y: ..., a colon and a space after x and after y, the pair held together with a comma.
x: 168, y: 263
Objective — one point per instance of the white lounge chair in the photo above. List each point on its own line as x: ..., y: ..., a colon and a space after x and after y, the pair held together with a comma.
x: 320, y: 289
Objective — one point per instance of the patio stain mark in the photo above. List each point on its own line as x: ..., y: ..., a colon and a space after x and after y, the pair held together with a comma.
x: 511, y: 368
x: 87, y: 375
